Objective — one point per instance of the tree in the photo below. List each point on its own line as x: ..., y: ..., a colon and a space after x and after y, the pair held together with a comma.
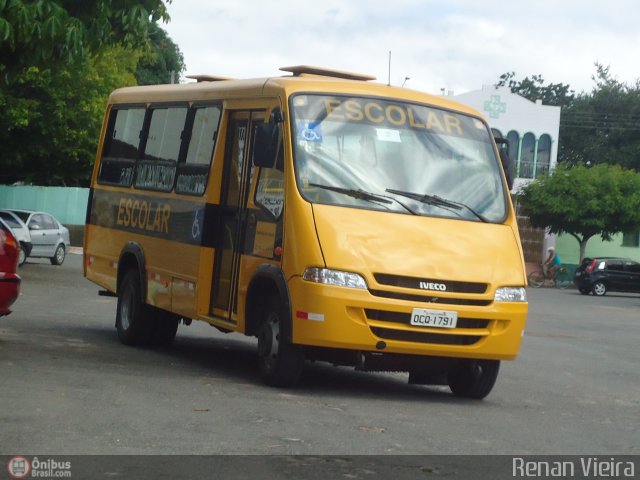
x: 34, y: 32
x: 602, y: 126
x: 584, y: 202
x: 163, y: 62
x: 59, y: 61
x: 57, y: 115
x: 534, y: 88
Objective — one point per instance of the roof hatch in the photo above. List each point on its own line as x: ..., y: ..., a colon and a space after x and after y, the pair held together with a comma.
x: 208, y: 78
x: 301, y: 70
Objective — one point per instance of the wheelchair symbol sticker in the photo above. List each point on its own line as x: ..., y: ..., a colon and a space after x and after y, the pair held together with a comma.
x: 310, y: 132
x: 196, y: 226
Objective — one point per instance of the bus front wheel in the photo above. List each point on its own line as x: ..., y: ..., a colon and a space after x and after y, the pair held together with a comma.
x: 474, y: 378
x: 280, y: 361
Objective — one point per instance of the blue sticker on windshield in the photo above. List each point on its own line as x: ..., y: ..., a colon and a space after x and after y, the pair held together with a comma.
x: 309, y: 132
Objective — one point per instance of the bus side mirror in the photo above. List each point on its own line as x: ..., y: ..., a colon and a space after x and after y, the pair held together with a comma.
x: 266, y: 141
x: 505, y: 159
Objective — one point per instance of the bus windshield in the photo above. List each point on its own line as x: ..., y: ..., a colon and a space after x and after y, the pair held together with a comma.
x: 389, y: 155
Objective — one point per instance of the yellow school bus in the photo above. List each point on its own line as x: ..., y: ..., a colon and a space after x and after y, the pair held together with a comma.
x: 334, y: 218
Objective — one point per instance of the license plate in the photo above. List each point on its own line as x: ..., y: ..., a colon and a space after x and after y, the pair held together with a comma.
x: 434, y: 318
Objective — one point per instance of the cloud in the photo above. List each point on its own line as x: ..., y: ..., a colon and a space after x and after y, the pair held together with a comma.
x: 458, y: 46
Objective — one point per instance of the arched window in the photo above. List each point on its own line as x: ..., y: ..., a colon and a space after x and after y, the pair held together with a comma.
x: 544, y: 155
x: 514, y: 145
x: 527, y: 155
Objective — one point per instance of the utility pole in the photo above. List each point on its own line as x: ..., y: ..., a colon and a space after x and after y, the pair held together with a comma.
x: 389, y: 78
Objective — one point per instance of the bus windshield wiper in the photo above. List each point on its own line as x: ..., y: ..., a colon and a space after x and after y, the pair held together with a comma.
x: 438, y: 202
x: 363, y: 195
x: 352, y: 192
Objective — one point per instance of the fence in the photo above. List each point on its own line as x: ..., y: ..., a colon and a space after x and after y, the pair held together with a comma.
x: 67, y: 204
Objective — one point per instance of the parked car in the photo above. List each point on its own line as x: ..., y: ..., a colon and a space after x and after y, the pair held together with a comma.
x: 9, y: 279
x: 607, y: 274
x: 49, y: 238
x: 20, y: 231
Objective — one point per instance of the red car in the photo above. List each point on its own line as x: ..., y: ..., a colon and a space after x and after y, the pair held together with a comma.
x: 9, y: 280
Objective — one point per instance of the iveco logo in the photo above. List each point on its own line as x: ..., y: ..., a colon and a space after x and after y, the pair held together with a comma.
x: 433, y: 286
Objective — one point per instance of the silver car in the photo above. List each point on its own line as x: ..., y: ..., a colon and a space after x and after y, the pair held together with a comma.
x: 20, y: 231
x: 49, y: 238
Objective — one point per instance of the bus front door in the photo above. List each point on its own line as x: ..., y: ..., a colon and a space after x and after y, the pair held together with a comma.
x: 236, y: 181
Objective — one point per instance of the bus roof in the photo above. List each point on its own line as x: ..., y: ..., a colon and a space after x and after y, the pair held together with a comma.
x: 304, y: 78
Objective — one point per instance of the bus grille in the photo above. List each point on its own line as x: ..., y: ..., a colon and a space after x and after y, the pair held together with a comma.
x: 405, y: 319
x: 418, y: 283
x: 425, y: 337
x: 429, y: 299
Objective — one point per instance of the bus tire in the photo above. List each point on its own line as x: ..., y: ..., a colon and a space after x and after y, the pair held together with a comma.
x: 165, y: 328
x: 280, y: 361
x: 474, y: 378
x: 133, y: 317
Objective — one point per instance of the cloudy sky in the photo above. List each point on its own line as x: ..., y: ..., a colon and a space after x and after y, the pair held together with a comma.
x: 455, y: 45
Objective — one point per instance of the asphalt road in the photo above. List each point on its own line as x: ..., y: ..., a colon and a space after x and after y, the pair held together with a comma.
x: 69, y: 387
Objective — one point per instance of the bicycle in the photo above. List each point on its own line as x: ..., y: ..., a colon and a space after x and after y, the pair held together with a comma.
x: 561, y: 279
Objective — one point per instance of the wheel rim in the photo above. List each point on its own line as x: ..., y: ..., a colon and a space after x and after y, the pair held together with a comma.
x: 22, y: 256
x: 60, y: 254
x: 599, y: 289
x: 125, y: 310
x: 268, y: 342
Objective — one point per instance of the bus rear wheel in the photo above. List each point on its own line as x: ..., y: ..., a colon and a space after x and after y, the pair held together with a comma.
x: 133, y: 317
x: 165, y: 328
x: 280, y: 361
x: 474, y: 378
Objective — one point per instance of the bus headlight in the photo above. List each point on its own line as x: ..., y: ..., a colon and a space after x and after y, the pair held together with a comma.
x: 510, y: 294
x: 334, y: 277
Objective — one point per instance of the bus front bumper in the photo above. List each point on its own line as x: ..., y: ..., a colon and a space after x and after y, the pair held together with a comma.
x: 354, y: 319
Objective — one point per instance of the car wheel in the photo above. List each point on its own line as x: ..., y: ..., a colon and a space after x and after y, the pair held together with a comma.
x: 599, y: 289
x: 585, y: 291
x: 280, y: 361
x: 474, y: 378
x: 165, y: 328
x: 22, y: 255
x: 133, y: 317
x: 59, y: 256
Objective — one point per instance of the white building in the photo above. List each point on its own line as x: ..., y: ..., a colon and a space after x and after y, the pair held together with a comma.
x: 531, y: 128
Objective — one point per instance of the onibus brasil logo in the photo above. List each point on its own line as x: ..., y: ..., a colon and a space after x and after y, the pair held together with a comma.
x: 21, y: 467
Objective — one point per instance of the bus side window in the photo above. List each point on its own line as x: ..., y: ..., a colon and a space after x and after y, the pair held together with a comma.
x: 157, y: 169
x: 121, y: 146
x: 194, y: 171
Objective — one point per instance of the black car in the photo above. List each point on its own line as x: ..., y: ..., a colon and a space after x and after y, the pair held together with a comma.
x: 604, y: 274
